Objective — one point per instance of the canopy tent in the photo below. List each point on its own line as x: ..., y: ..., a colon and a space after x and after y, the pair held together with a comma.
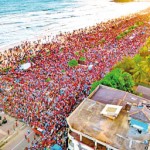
x: 56, y: 147
x: 25, y: 66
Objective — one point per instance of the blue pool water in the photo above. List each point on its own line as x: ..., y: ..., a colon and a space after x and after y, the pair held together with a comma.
x: 139, y: 123
x: 30, y: 19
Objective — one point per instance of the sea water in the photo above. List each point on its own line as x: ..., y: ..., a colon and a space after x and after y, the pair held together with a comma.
x: 22, y: 20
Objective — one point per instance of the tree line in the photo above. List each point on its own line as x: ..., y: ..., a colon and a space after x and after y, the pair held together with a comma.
x: 129, y: 72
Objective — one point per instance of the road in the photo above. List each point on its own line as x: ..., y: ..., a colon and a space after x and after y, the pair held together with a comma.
x: 19, y: 142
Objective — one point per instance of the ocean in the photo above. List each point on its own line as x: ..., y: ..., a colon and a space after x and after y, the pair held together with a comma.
x: 22, y: 20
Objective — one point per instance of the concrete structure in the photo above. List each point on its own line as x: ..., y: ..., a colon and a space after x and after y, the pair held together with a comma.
x: 111, y: 111
x: 145, y: 91
x: 90, y: 129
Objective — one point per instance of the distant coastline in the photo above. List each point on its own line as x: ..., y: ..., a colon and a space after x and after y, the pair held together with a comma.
x: 123, y: 1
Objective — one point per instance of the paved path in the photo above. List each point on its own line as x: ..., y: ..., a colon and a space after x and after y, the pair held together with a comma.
x: 19, y: 142
x: 10, y: 125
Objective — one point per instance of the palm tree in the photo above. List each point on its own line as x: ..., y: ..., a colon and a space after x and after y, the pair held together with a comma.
x: 144, y: 51
x: 137, y: 59
x: 146, y: 66
x: 139, y: 75
x: 148, y: 42
x: 127, y: 64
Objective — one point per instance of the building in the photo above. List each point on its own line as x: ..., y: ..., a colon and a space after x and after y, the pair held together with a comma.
x: 145, y: 91
x: 110, y: 119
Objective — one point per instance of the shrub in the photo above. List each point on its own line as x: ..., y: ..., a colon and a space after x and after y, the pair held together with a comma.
x: 119, y: 37
x: 77, y: 53
x: 82, y: 59
x: 127, y: 31
x: 94, y: 85
x: 63, y: 71
x: 48, y: 79
x: 83, y: 50
x: 61, y: 49
x: 6, y: 69
x: 139, y: 23
x: 22, y: 61
x: 140, y: 94
x: 144, y: 51
x: 103, y: 40
x: 73, y: 63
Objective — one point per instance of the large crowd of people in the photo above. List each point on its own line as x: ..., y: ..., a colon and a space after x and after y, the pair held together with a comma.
x: 45, y: 94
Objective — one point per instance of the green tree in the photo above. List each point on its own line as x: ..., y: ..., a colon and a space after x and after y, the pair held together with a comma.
x: 128, y: 80
x: 118, y: 79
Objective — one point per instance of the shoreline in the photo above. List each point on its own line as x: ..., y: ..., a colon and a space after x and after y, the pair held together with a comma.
x: 49, y: 35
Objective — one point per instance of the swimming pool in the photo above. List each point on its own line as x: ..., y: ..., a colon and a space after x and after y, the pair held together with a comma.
x: 137, y: 123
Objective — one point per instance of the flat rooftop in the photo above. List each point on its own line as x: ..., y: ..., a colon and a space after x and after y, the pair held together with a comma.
x: 88, y: 120
x: 107, y: 95
x: 145, y: 91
